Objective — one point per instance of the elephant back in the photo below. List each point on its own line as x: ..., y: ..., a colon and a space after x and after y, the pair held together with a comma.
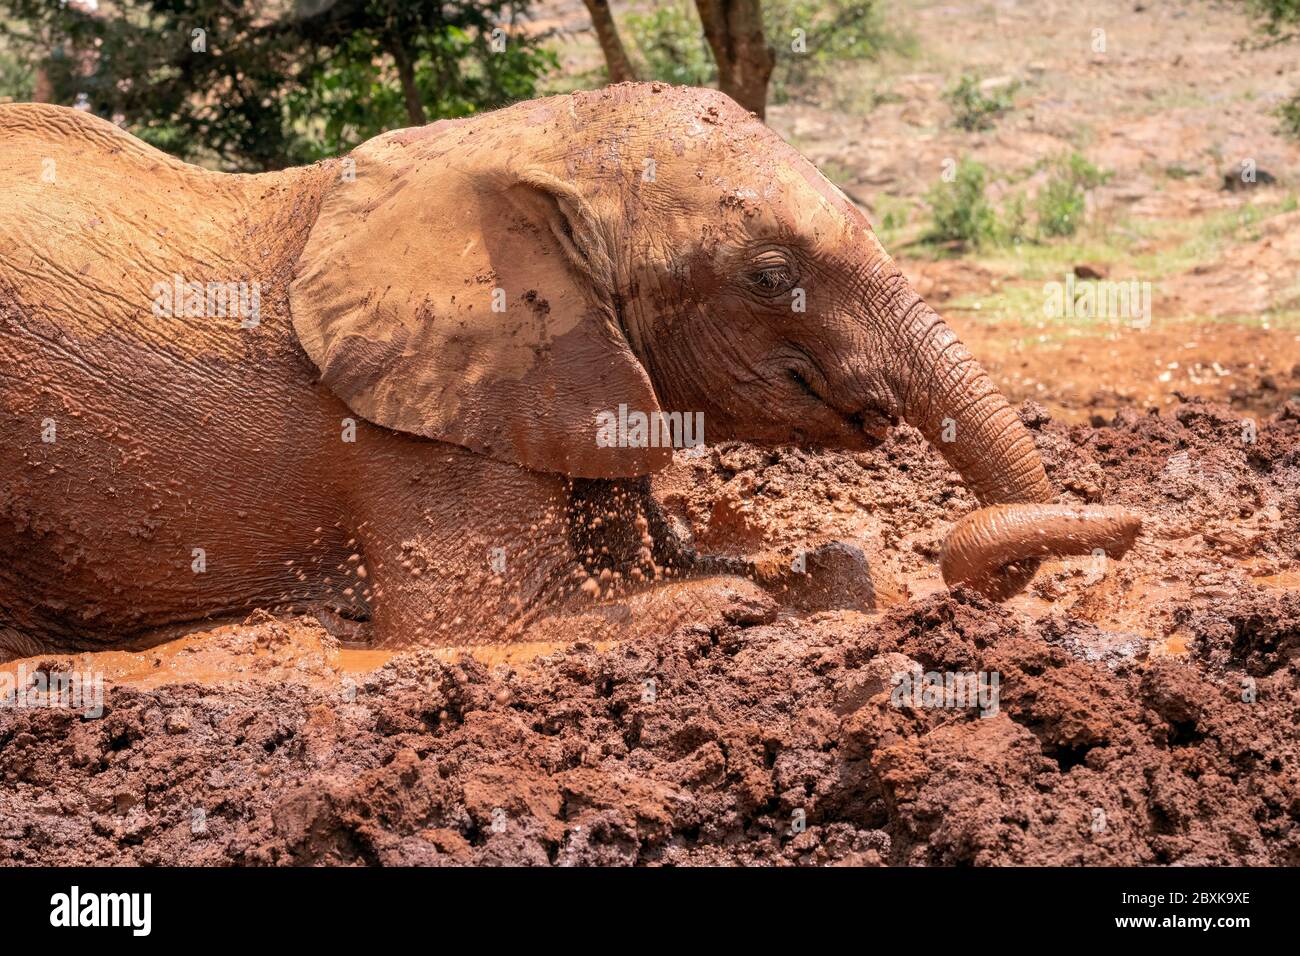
x: 103, y: 236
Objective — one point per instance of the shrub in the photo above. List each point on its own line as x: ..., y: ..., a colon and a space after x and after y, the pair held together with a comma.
x: 960, y: 211
x: 972, y: 108
x: 1061, y: 207
x: 16, y: 78
x: 830, y: 32
x: 1289, y: 114
x: 671, y: 43
x: 1015, y: 221
x: 1063, y: 201
x: 1279, y: 22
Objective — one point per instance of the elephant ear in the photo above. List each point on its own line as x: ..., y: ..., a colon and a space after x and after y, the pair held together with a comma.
x: 447, y: 293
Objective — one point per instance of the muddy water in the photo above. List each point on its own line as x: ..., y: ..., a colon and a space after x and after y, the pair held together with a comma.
x: 299, y: 651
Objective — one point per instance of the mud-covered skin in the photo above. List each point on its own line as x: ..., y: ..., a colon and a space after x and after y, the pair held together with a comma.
x: 174, y: 434
x: 471, y: 297
x: 982, y: 544
x: 168, y: 434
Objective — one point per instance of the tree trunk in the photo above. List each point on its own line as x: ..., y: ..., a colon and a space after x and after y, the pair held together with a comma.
x: 734, y: 29
x: 617, y: 64
x: 42, y: 89
x: 406, y: 74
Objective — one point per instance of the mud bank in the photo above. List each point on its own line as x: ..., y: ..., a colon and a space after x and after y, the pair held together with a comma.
x: 1146, y: 711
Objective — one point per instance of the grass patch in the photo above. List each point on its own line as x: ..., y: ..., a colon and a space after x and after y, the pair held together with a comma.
x: 1146, y: 248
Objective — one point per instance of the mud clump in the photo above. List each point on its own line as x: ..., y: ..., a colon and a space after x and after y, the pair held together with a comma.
x: 770, y: 744
x: 1142, y: 715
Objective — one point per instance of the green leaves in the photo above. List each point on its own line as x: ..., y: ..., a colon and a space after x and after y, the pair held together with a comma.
x: 961, y: 212
x: 265, y: 92
x: 975, y: 109
x: 1062, y: 202
x: 811, y: 39
x: 671, y: 43
x: 1279, y: 21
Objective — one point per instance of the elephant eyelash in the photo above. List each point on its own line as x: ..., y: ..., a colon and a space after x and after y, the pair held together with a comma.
x: 773, y: 280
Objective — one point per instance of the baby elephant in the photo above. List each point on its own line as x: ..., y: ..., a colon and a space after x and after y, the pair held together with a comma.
x: 424, y: 385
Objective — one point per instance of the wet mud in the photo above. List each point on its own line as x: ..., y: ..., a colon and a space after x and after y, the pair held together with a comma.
x: 1141, y: 711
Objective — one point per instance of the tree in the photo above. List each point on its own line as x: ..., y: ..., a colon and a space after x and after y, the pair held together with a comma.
x: 617, y: 64
x: 734, y: 29
x: 225, y: 80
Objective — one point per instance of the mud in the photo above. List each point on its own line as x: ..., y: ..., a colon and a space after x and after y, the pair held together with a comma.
x: 1146, y: 709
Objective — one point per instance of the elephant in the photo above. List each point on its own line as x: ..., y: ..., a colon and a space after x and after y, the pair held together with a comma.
x: 395, y: 386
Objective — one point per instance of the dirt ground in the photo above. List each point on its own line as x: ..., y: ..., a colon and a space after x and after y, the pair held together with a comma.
x: 1146, y: 709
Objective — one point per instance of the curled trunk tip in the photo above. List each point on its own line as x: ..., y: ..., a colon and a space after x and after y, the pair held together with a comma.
x: 995, y: 550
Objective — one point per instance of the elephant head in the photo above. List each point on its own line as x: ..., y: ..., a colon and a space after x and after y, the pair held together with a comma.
x: 502, y: 283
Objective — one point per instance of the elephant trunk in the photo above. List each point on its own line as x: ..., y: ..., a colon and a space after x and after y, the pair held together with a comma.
x: 942, y: 391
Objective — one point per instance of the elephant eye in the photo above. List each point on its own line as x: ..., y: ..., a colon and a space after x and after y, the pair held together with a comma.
x: 772, y: 274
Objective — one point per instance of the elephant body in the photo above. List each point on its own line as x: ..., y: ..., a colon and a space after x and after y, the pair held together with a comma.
x: 162, y: 469
x: 399, y: 422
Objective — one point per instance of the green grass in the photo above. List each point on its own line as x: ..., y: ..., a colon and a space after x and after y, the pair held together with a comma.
x: 1150, y: 251
x: 1024, y: 304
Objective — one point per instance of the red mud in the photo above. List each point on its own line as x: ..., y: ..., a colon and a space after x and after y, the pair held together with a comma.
x: 1145, y: 716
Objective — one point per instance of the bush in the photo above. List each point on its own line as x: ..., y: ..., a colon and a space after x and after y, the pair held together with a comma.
x: 960, y: 211
x: 669, y: 41
x: 1289, y: 114
x: 1279, y: 22
x: 671, y: 44
x: 972, y: 109
x: 1063, y: 201
x: 1062, y: 205
x: 16, y: 79
x: 1015, y: 221
x: 812, y: 37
